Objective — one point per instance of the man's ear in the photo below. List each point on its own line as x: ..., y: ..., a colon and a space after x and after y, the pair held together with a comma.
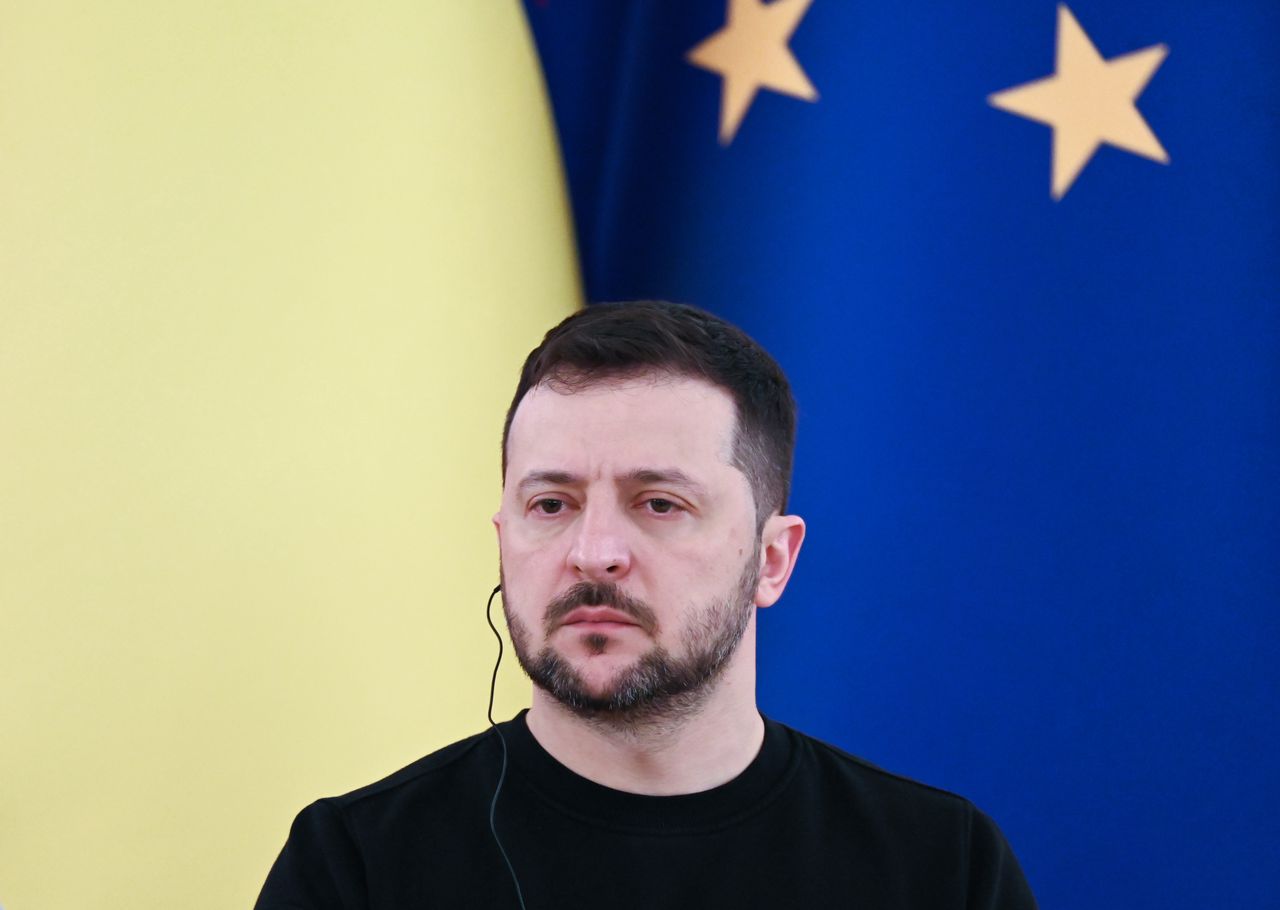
x: 497, y: 523
x: 779, y: 548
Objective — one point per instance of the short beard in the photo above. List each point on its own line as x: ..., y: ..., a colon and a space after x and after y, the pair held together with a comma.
x: 659, y: 689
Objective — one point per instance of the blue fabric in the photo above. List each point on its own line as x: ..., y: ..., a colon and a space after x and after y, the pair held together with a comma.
x: 1039, y: 447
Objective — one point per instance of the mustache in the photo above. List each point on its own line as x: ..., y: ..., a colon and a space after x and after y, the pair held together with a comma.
x: 600, y: 594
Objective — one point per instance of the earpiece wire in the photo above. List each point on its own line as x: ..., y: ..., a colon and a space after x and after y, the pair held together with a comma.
x: 502, y: 776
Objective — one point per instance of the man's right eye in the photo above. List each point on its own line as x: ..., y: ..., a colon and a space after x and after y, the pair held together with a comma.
x: 549, y: 506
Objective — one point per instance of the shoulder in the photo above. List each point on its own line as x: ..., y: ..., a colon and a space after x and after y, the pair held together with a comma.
x: 332, y: 842
x: 423, y: 789
x: 444, y: 764
x: 834, y: 767
x: 899, y: 818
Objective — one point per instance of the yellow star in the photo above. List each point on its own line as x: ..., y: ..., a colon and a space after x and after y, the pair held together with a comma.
x: 751, y: 53
x: 1088, y: 101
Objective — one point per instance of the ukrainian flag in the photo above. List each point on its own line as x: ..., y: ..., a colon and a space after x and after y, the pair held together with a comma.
x: 267, y: 273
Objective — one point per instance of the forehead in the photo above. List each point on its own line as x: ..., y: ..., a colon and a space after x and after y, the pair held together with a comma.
x: 648, y: 420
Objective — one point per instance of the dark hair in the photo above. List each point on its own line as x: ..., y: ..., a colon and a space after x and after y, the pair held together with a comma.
x: 618, y: 340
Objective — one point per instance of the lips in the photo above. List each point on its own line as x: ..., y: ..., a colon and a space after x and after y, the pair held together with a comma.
x: 596, y: 615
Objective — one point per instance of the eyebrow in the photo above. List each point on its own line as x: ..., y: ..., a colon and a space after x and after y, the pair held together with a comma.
x: 669, y: 476
x: 547, y: 478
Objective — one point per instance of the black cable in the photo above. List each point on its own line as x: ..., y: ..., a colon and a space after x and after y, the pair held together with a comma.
x: 493, y: 806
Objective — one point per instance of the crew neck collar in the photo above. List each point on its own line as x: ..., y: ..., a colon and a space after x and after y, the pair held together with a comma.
x: 575, y: 795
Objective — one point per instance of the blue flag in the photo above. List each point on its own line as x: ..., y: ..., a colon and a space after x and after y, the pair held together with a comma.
x: 1020, y: 261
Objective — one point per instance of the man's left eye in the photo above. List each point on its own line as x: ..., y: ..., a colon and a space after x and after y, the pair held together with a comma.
x: 661, y: 506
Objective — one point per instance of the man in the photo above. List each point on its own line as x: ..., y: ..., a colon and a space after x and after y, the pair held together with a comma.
x: 646, y: 464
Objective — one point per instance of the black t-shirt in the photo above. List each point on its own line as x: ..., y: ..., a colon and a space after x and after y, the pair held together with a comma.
x: 805, y: 825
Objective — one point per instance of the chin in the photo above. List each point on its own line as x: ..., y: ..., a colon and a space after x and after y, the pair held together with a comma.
x: 587, y: 683
x: 599, y: 674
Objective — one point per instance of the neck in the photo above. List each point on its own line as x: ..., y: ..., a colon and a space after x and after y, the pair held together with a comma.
x: 698, y: 749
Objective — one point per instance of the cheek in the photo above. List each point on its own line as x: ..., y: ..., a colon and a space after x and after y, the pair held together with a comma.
x: 692, y: 574
x: 530, y: 558
x: 531, y: 570
x: 522, y: 536
x: 524, y: 602
x: 727, y: 565
x: 517, y: 536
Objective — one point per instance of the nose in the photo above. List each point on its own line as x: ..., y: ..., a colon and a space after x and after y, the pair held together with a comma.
x: 600, y: 550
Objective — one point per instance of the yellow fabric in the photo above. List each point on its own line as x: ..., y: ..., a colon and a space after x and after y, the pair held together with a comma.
x: 267, y: 272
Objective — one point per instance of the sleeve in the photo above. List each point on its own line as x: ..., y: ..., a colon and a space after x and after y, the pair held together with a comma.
x: 319, y: 868
x: 996, y: 881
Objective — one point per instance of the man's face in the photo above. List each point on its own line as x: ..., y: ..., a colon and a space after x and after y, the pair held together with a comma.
x: 629, y: 549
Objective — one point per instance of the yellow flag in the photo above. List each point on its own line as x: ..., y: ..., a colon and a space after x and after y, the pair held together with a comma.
x: 267, y: 273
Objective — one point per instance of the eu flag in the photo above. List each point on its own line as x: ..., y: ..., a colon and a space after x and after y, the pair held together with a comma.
x: 1020, y: 262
